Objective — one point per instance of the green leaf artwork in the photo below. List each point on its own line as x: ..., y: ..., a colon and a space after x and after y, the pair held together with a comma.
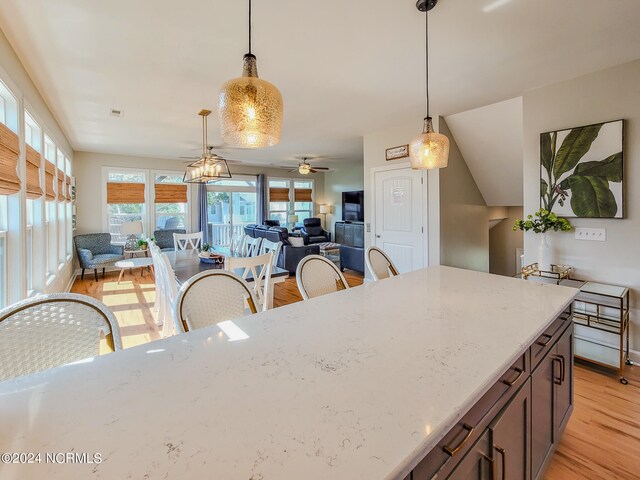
x: 581, y: 171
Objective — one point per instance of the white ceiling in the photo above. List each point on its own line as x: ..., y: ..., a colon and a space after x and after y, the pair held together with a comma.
x: 344, y: 68
x: 490, y: 139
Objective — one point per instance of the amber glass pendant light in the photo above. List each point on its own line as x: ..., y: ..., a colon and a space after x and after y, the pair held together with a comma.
x: 250, y: 108
x: 430, y: 149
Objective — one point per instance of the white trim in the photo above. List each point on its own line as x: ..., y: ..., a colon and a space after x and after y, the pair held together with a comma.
x: 371, y: 228
x: 105, y: 207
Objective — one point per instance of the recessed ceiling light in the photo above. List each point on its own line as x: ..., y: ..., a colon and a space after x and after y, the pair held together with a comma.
x: 116, y: 112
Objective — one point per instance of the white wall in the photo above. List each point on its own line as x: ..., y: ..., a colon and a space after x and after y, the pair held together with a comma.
x: 375, y: 144
x: 606, y: 95
x: 88, y: 169
x: 345, y: 178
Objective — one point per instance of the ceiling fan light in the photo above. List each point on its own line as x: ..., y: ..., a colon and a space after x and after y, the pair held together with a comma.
x: 250, y: 109
x: 304, y: 169
x: 430, y: 149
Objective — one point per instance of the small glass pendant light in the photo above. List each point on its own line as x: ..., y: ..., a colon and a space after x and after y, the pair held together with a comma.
x: 430, y: 149
x: 250, y: 108
x: 210, y: 166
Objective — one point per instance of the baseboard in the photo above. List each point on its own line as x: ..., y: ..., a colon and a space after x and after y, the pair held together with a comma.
x: 634, y: 355
x: 70, y: 283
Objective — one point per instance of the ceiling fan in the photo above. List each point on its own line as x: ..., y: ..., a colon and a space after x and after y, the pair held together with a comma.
x: 210, y: 153
x: 304, y: 168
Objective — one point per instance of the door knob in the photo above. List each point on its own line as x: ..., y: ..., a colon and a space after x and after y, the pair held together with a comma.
x: 377, y: 236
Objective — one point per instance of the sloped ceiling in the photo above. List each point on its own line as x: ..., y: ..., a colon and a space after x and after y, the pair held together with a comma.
x: 490, y: 139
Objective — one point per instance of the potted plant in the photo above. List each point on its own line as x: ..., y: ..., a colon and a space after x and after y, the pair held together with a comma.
x: 543, y: 221
x: 143, y: 243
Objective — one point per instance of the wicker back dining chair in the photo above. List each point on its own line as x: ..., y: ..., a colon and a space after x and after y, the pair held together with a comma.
x: 379, y: 264
x: 316, y: 276
x: 51, y: 330
x: 197, y: 305
x: 182, y: 241
x: 260, y: 268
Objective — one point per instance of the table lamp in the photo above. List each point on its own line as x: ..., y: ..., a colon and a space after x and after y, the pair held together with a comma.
x: 324, y: 209
x: 133, y: 229
x: 293, y: 219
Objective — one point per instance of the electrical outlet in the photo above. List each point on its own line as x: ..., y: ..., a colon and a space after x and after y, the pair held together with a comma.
x: 593, y: 234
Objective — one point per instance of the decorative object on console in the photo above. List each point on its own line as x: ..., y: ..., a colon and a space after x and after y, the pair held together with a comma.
x: 293, y: 219
x: 581, y: 171
x: 209, y: 166
x: 250, y: 108
x: 542, y: 222
x: 133, y: 229
x: 429, y: 149
x: 394, y: 153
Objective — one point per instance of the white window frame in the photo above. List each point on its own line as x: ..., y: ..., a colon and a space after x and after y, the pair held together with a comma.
x: 152, y: 198
x: 148, y: 201
x: 292, y: 195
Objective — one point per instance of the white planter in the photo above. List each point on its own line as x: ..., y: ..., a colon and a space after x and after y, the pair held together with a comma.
x: 544, y: 253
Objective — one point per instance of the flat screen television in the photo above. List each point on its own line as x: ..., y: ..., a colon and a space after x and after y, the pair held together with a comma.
x: 353, y: 206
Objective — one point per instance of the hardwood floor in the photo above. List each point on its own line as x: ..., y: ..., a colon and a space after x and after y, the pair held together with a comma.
x: 602, y: 439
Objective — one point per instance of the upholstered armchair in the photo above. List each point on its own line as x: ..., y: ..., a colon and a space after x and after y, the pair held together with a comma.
x: 96, y: 251
x: 313, y: 232
x: 164, y: 238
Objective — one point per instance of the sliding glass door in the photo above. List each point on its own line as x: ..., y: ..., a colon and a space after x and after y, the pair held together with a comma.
x: 231, y: 204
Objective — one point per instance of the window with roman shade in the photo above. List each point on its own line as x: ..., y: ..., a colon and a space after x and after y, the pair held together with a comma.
x: 125, y: 193
x: 171, y: 193
x: 278, y: 194
x: 9, y: 155
x: 34, y: 160
x: 303, y: 194
x: 61, y: 195
x: 49, y: 174
x: 67, y: 188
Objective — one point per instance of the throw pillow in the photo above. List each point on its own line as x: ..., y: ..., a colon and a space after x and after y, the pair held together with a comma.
x: 296, y: 241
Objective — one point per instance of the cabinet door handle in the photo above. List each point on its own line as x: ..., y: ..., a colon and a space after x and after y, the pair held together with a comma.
x: 453, y: 450
x: 543, y: 343
x: 492, y: 464
x: 563, y: 368
x: 560, y: 360
x: 503, y: 454
x: 511, y: 383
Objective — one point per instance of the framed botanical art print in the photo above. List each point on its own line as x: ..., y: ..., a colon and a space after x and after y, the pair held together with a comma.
x: 581, y: 171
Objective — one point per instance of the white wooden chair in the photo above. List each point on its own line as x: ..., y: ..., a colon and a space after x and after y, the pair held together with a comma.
x: 271, y: 247
x: 260, y: 268
x: 170, y: 292
x: 51, y: 330
x: 159, y: 303
x: 316, y: 276
x: 379, y: 264
x: 238, y: 243
x: 212, y: 297
x: 251, y: 246
x: 182, y: 241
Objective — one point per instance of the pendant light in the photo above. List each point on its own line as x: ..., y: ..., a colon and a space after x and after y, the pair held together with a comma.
x: 250, y: 108
x: 210, y: 166
x: 430, y: 149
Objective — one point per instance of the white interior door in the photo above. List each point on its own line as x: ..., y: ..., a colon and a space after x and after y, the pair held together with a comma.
x: 399, y: 219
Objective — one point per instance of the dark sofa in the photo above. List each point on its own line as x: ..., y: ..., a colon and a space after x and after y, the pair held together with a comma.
x: 290, y: 256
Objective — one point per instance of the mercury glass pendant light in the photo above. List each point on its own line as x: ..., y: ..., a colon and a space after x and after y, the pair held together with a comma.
x: 430, y: 149
x: 250, y: 108
x: 210, y: 166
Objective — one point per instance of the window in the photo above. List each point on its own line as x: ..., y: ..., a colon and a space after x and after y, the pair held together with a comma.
x: 125, y: 198
x: 51, y: 220
x: 171, y: 201
x: 29, y: 245
x: 3, y: 250
x: 8, y: 108
x: 290, y: 197
x: 232, y: 204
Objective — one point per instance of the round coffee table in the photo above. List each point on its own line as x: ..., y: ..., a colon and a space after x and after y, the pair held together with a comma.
x: 135, y: 262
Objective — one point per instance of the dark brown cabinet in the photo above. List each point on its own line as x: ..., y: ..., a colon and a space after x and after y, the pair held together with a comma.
x: 552, y: 401
x: 477, y: 463
x: 510, y: 438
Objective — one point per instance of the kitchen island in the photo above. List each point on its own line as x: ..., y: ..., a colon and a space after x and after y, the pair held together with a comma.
x: 367, y: 383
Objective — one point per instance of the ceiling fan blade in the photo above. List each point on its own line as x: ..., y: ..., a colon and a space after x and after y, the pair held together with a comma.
x: 321, y: 168
x: 312, y: 170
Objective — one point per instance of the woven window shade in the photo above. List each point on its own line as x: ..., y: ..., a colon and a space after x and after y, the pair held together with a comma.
x: 278, y: 194
x: 118, y: 192
x: 171, y: 193
x: 49, y: 171
x: 9, y: 155
x: 61, y: 195
x: 303, y: 194
x: 33, y: 174
x: 67, y: 187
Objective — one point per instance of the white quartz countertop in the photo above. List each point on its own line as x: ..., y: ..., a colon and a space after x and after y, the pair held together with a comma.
x: 359, y: 384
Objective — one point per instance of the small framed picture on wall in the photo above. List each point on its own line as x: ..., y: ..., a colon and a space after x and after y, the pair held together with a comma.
x: 394, y: 153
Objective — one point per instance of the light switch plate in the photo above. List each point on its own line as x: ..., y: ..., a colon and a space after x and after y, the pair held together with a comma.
x: 593, y: 234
